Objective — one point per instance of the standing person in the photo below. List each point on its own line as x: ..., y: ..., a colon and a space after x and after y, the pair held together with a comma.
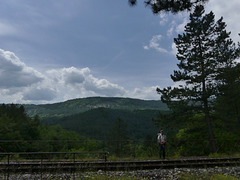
x: 162, y: 139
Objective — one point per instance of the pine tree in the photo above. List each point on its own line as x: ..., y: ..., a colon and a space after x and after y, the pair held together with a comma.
x: 203, y: 50
x: 173, y: 6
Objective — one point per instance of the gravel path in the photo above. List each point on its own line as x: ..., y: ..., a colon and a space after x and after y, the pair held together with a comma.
x: 168, y: 174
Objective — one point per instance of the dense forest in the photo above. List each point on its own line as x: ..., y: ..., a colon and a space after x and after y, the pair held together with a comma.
x: 22, y: 133
x: 98, y: 123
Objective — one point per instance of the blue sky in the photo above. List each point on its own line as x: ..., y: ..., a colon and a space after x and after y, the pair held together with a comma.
x: 55, y: 50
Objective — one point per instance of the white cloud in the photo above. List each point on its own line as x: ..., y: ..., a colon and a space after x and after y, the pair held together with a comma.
x: 69, y: 76
x: 155, y: 44
x: 104, y: 87
x: 163, y: 18
x: 23, y: 84
x: 14, y: 73
x: 174, y: 49
x: 229, y: 10
x: 180, y: 27
x: 39, y: 94
x: 73, y: 78
x: 147, y: 93
x: 170, y: 31
x: 146, y: 47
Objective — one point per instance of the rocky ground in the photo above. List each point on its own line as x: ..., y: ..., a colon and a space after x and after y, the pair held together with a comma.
x: 172, y: 174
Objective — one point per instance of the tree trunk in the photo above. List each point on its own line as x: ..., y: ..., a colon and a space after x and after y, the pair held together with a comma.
x: 210, y: 130
x: 205, y: 100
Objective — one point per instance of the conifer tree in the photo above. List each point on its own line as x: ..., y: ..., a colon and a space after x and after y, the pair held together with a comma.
x: 203, y: 50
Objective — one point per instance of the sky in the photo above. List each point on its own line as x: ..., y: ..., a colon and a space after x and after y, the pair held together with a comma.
x: 55, y: 50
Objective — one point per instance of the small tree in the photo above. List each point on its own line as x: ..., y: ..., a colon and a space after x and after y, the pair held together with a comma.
x: 203, y: 50
x: 118, y: 137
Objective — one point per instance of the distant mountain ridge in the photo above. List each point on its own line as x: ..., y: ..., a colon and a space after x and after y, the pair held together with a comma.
x: 81, y: 105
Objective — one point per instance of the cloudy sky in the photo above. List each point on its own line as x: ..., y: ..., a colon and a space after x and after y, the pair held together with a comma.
x: 55, y: 50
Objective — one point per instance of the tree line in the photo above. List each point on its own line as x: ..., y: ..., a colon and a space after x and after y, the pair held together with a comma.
x: 21, y: 133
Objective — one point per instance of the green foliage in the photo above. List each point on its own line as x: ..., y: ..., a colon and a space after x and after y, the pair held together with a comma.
x: 150, y: 146
x: 193, y: 139
x: 148, y: 149
x: 118, y: 138
x: 20, y: 133
x: 98, y: 123
x: 228, y: 102
x: 15, y: 125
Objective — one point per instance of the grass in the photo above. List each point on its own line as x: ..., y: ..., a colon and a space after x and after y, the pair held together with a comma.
x: 223, y: 155
x: 115, y: 158
x: 206, y: 176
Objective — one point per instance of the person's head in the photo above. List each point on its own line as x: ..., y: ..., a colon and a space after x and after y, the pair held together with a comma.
x: 162, y: 132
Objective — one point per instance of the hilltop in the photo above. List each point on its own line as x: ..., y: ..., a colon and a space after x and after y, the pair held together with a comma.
x: 81, y: 105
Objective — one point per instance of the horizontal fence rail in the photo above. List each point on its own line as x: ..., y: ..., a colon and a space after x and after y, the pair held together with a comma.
x: 63, y: 166
x: 14, y: 157
x: 125, y: 148
x: 40, y: 162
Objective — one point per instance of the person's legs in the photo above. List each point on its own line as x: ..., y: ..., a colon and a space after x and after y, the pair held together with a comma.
x: 160, y: 149
x: 163, y: 149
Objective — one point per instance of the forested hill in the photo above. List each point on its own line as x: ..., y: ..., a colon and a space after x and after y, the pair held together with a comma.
x: 100, y: 123
x: 80, y: 105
